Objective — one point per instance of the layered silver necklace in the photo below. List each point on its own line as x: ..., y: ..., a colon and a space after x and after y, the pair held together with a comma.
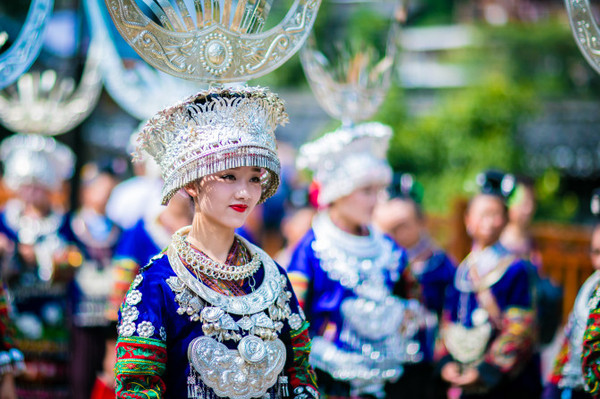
x: 254, y: 321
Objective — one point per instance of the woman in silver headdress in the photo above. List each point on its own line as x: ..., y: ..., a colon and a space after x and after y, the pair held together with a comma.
x: 344, y: 271
x: 213, y: 315
x: 38, y: 259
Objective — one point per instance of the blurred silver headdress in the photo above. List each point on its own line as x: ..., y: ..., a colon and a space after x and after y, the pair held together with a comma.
x: 350, y: 86
x: 35, y: 159
x: 49, y: 104
x: 347, y: 159
x: 215, y: 130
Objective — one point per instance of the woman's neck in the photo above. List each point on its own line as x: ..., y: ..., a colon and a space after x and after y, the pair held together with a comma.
x: 344, y: 224
x: 215, y: 241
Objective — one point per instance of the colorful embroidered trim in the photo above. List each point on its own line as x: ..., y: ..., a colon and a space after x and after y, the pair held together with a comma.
x: 301, y: 372
x: 591, y: 352
x: 141, y: 363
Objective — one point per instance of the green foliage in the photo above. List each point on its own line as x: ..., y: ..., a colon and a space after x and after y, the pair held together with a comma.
x: 468, y: 131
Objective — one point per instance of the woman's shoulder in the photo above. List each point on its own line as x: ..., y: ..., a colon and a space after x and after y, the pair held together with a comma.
x: 158, y: 267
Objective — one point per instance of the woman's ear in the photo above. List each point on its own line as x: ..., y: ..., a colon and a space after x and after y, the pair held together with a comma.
x: 193, y: 189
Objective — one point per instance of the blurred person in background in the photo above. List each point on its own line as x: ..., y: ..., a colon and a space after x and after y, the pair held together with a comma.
x: 96, y: 237
x: 488, y: 332
x: 566, y: 379
x: 429, y: 272
x: 344, y: 271
x: 137, y: 245
x: 518, y: 238
x: 128, y: 201
x: 39, y: 260
x: 295, y: 224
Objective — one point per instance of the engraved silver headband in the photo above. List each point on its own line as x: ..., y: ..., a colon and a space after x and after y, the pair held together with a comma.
x: 212, y: 131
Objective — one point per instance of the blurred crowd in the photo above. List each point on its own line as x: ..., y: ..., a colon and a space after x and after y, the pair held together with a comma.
x: 66, y: 270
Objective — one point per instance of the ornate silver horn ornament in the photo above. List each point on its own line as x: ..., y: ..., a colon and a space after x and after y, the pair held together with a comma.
x: 213, y: 41
x: 585, y: 29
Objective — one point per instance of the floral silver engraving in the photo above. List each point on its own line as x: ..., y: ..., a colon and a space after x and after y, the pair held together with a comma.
x: 137, y: 87
x: 163, y: 333
x: 130, y: 314
x: 295, y: 321
x: 133, y: 297
x: 126, y: 329
x: 228, y: 374
x: 145, y: 329
x: 252, y: 349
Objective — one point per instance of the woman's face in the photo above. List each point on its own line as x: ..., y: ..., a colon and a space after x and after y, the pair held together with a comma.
x: 35, y: 194
x: 485, y: 219
x: 226, y: 198
x: 356, y: 208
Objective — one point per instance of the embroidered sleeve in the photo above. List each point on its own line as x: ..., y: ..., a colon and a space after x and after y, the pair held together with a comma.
x: 515, y: 340
x: 139, y: 368
x: 301, y: 373
x: 562, y: 357
x: 591, y: 351
x: 141, y: 348
x: 11, y: 359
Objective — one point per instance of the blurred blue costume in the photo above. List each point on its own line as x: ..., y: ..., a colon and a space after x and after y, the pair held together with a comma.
x: 354, y: 317
x: 498, y: 336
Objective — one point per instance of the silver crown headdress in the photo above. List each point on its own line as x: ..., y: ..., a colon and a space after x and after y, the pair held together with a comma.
x: 213, y: 41
x: 32, y: 158
x: 26, y: 47
x: 347, y: 159
x: 215, y: 130
x: 48, y: 104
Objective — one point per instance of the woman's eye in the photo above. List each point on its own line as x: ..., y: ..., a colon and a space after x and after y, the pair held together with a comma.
x: 255, y: 179
x: 228, y: 177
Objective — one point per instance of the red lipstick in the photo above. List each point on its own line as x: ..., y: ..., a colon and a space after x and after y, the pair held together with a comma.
x: 239, y: 208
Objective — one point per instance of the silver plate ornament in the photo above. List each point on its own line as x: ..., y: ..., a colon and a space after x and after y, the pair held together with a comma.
x: 229, y: 374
